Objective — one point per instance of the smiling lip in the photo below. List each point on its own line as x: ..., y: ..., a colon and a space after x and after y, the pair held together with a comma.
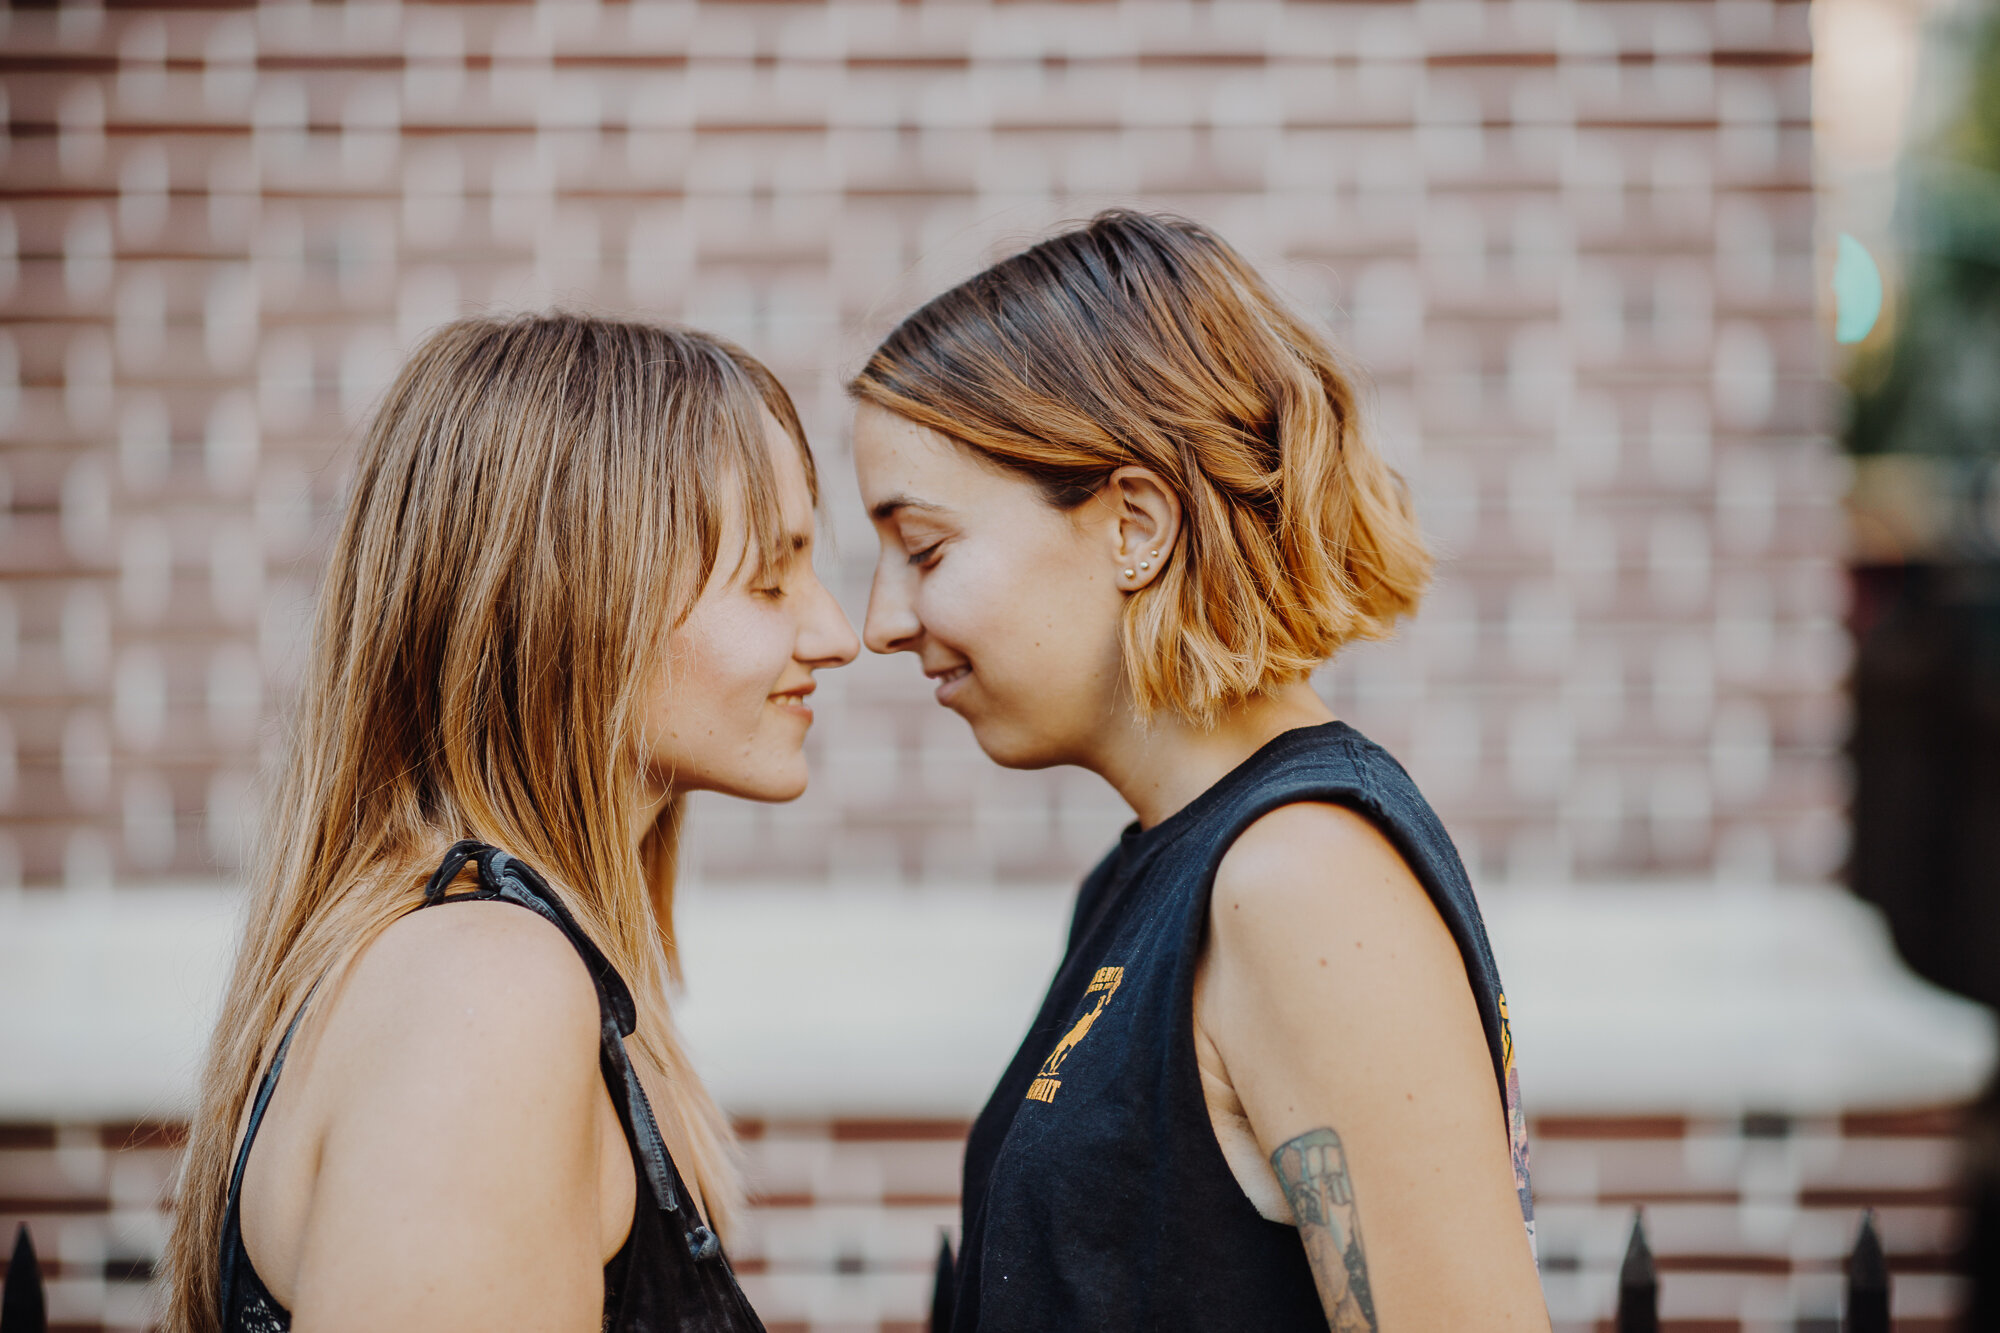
x: 949, y: 681
x: 794, y: 700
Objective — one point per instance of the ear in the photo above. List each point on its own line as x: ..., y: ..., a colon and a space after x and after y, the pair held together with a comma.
x: 1148, y: 519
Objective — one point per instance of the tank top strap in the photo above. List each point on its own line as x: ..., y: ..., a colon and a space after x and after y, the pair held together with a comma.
x: 504, y: 878
x: 1320, y: 763
x: 231, y: 1217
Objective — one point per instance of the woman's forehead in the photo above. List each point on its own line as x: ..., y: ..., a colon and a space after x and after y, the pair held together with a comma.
x: 789, y: 476
x: 904, y: 465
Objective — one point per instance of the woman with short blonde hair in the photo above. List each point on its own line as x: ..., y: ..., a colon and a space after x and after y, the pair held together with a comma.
x: 573, y: 583
x: 1126, y: 505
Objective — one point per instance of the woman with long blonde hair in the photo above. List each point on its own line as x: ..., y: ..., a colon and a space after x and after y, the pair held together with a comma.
x: 1126, y: 505
x: 573, y: 583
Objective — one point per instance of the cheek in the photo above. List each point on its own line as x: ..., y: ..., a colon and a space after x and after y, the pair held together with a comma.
x: 968, y: 602
x: 730, y: 661
x: 1010, y: 604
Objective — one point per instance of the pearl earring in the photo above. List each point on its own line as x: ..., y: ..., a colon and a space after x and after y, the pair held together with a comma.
x: 1128, y: 574
x: 1144, y: 565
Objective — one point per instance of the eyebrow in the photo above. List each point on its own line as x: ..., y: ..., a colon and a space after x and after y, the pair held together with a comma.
x: 898, y: 502
x: 793, y: 544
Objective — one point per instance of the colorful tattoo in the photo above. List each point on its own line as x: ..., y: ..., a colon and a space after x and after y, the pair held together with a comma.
x: 1313, y: 1170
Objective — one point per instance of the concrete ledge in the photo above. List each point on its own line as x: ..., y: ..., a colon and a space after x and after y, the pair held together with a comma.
x: 1625, y: 998
x: 106, y: 999
x: 1692, y: 998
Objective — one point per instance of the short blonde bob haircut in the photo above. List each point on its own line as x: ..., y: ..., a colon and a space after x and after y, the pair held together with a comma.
x: 1140, y: 339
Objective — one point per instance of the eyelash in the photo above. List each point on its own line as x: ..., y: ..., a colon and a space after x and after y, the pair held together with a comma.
x: 919, y: 559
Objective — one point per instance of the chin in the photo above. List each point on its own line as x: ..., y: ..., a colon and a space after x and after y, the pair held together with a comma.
x: 775, y: 790
x: 1014, y: 747
x: 776, y: 784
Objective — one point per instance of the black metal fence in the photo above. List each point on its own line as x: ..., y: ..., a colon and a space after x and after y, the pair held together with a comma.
x: 1639, y: 1283
x: 23, y: 1309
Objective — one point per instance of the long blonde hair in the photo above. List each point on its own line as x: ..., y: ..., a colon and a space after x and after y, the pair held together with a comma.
x: 1145, y: 339
x: 538, y: 501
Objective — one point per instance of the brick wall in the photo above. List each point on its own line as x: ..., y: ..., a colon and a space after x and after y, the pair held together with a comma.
x: 1571, y: 241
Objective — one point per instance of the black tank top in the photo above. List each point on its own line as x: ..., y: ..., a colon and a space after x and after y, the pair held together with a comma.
x: 670, y: 1276
x: 1096, y: 1195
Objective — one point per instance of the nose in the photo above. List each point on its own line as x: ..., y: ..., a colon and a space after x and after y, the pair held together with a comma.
x: 826, y: 639
x: 891, y: 625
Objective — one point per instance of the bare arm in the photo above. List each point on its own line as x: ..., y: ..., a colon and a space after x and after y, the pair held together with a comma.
x: 459, y: 1175
x: 1339, y: 1006
x: 1313, y: 1170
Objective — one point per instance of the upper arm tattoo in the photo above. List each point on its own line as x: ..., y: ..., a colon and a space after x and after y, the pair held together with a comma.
x: 1313, y: 1170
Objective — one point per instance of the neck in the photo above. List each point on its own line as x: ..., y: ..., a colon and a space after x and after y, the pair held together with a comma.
x: 1160, y: 766
x: 655, y: 797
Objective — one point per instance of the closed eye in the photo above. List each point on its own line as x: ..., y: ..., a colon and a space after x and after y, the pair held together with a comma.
x: 924, y: 558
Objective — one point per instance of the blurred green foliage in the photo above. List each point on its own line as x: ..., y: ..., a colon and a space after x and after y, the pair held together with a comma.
x: 1930, y: 385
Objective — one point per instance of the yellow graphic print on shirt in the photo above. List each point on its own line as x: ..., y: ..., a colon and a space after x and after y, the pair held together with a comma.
x: 1102, y: 987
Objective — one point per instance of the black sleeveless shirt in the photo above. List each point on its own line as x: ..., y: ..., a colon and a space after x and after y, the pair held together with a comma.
x: 1096, y: 1195
x: 670, y: 1276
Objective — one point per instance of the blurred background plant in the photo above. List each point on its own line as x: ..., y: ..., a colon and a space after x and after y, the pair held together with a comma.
x: 1923, y: 428
x: 1924, y: 421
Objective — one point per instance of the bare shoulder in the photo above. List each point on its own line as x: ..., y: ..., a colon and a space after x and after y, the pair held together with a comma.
x: 1306, y: 836
x: 474, y: 944
x: 458, y: 1174
x: 1313, y: 862
x: 485, y: 993
x: 1314, y: 899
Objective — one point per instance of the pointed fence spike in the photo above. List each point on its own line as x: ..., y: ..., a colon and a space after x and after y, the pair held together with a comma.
x: 941, y: 1294
x: 1638, y: 1269
x: 1867, y: 1281
x: 1638, y: 1283
x: 23, y: 1309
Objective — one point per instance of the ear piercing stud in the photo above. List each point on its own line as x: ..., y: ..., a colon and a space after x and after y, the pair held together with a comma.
x: 1129, y: 574
x: 1144, y: 565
